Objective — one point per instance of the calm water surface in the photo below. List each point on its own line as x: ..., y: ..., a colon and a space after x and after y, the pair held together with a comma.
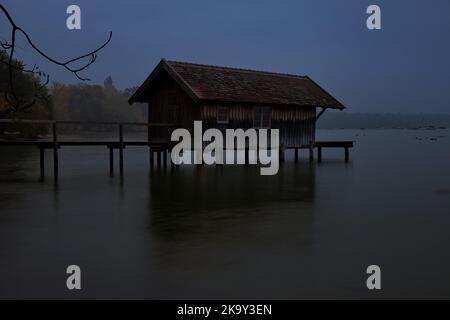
x: 309, y: 232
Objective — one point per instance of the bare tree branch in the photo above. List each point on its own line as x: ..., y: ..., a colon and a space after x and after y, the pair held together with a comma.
x: 22, y: 68
x: 5, y: 45
x: 68, y: 65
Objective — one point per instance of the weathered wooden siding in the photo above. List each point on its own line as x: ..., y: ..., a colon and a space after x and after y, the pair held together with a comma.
x: 168, y: 103
x: 296, y: 124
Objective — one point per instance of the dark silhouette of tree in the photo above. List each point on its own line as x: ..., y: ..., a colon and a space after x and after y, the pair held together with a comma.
x: 16, y: 102
x: 28, y: 86
x: 128, y: 92
x: 109, y: 83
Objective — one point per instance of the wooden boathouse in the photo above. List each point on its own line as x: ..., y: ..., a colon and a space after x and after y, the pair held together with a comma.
x: 231, y: 98
x: 179, y: 93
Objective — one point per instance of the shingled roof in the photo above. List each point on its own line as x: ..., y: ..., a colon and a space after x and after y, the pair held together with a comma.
x: 212, y: 83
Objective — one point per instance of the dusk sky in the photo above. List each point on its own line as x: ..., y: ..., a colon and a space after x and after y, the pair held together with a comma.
x: 405, y: 67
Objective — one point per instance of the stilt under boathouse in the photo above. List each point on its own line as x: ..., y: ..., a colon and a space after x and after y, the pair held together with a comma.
x: 231, y: 98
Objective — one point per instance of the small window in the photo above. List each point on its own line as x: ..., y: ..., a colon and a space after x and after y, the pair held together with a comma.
x: 261, y: 117
x: 222, y: 115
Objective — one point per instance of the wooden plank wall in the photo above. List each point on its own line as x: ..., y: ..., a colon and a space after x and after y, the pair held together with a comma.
x: 168, y: 103
x: 296, y: 124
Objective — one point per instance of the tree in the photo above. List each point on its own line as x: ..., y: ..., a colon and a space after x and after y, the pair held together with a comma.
x: 128, y: 92
x: 109, y: 84
x: 14, y: 101
x: 28, y: 87
x: 93, y: 103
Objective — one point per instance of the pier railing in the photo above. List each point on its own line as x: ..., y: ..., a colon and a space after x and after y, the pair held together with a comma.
x: 53, y: 141
x: 93, y: 123
x: 59, y: 124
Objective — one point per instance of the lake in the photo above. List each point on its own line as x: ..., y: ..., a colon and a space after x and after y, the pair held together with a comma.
x: 208, y: 233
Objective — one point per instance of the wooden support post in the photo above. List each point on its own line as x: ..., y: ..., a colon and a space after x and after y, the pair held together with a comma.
x: 247, y: 156
x: 282, y: 154
x: 165, y: 158
x: 311, y: 153
x: 296, y: 155
x: 319, y: 154
x: 347, y: 155
x: 42, y: 162
x: 121, y: 148
x: 172, y: 165
x: 111, y: 161
x: 151, y: 155
x: 321, y: 113
x: 55, y: 152
x: 158, y: 158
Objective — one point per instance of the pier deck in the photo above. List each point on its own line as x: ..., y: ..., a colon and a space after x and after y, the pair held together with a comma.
x: 160, y: 147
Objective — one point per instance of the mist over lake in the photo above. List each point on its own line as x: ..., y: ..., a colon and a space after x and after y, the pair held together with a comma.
x: 209, y: 232
x: 357, y: 120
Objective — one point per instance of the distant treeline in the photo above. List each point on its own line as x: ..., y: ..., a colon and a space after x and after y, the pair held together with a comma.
x: 348, y: 120
x: 95, y: 103
x: 80, y: 102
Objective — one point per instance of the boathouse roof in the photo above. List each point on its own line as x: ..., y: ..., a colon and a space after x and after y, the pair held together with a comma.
x: 223, y: 84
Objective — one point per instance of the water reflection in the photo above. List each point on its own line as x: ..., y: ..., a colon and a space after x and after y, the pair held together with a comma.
x: 194, y: 199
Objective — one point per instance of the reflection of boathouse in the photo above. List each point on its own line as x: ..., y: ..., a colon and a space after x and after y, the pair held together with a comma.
x: 226, y: 191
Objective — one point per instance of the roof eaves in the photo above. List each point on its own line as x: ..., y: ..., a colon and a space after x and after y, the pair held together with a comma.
x: 340, y: 105
x: 181, y: 81
x: 163, y: 64
x: 146, y: 83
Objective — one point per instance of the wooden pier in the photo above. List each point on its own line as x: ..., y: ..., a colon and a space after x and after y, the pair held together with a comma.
x: 161, y: 148
x: 346, y: 145
x: 54, y: 143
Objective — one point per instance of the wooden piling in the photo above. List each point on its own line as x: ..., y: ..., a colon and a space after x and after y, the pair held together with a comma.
x: 151, y: 157
x: 282, y: 154
x: 319, y: 154
x: 296, y: 155
x: 55, y: 152
x: 247, y: 155
x: 158, y: 158
x: 165, y: 158
x: 311, y: 154
x: 111, y: 161
x: 172, y: 165
x: 121, y: 148
x: 42, y: 162
x: 347, y: 155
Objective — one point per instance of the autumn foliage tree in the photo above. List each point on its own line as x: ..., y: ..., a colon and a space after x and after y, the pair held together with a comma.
x: 91, y: 103
x: 28, y: 86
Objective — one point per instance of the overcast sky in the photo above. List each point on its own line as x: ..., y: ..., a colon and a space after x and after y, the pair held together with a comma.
x: 405, y: 67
